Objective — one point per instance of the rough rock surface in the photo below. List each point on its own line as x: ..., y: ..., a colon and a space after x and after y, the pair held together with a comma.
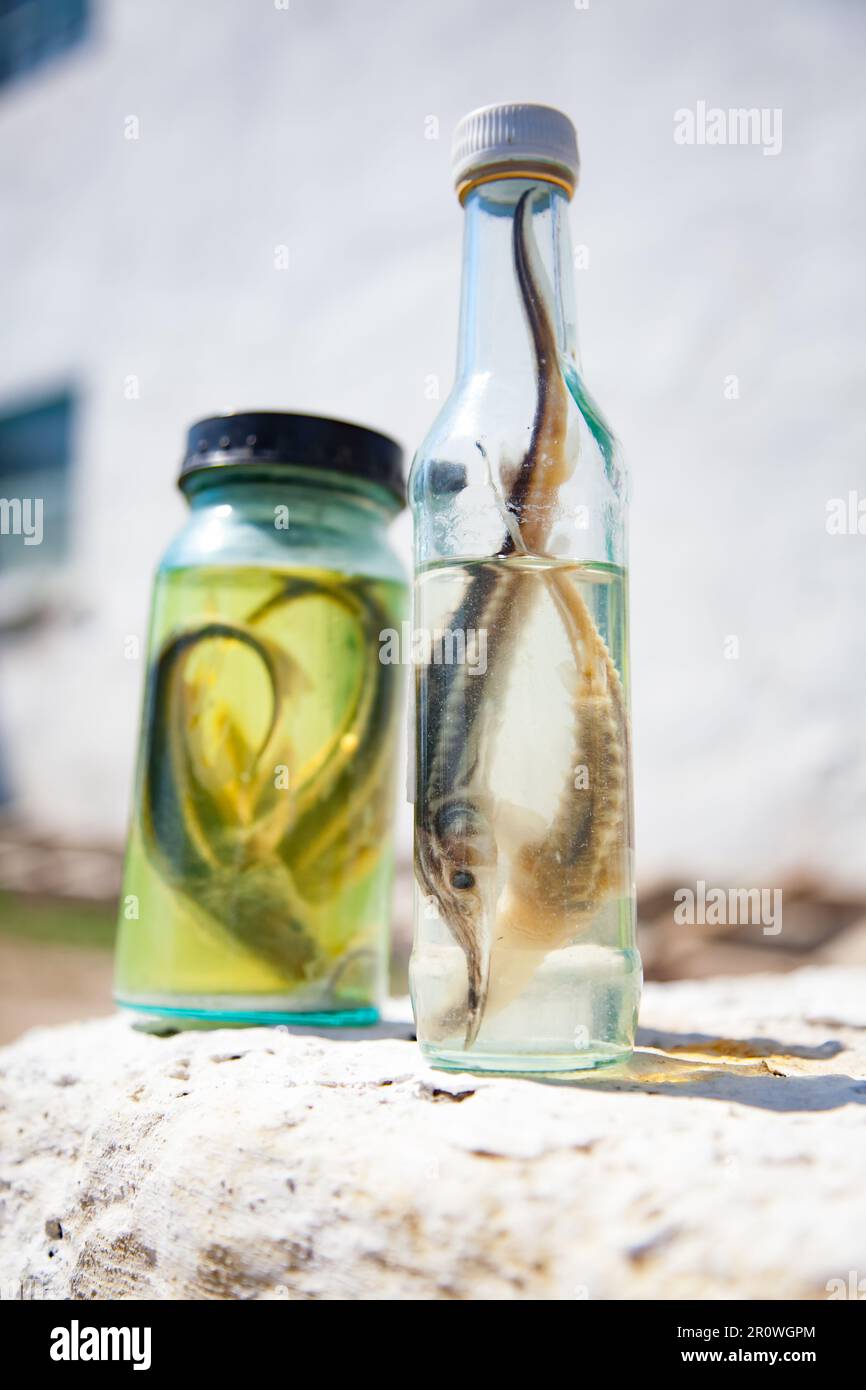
x: 726, y: 1161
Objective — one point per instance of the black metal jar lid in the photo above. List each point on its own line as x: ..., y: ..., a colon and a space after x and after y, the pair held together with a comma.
x: 253, y: 437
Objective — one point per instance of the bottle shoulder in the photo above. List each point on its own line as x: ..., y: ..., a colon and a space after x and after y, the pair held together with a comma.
x: 500, y: 409
x: 464, y: 471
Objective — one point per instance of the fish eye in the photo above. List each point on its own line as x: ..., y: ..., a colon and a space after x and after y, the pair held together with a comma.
x: 462, y: 879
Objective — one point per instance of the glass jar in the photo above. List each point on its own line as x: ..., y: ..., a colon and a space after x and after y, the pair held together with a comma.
x: 259, y: 862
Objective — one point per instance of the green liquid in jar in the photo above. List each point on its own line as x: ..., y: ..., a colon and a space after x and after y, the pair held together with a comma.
x: 259, y: 864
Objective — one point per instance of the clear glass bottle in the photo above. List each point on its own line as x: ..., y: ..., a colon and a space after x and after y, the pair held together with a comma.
x: 259, y: 862
x: 524, y: 954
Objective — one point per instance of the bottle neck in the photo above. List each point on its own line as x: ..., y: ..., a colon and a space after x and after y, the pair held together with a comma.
x: 493, y: 329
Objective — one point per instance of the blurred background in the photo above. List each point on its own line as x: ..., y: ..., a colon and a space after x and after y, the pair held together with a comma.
x: 154, y: 158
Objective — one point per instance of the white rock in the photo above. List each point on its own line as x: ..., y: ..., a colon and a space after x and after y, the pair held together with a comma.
x: 724, y: 1162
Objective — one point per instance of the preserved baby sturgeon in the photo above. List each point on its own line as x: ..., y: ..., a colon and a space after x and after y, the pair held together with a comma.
x: 510, y: 889
x: 263, y: 836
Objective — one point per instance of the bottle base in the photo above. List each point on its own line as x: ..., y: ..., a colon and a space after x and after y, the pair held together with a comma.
x: 188, y: 1013
x: 525, y: 1064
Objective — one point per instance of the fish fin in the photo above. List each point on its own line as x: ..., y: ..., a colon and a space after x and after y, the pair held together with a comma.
x: 509, y: 477
x: 479, y: 982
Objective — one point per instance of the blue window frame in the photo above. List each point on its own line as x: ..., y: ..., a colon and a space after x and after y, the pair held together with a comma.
x: 33, y: 32
x: 35, y: 465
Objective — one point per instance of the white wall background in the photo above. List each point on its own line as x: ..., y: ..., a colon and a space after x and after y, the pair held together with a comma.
x: 261, y: 126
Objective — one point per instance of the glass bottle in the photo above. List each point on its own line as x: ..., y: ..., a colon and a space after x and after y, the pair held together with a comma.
x: 259, y: 863
x: 524, y: 955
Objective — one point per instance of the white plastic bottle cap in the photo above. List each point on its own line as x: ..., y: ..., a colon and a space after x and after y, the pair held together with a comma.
x: 514, y: 138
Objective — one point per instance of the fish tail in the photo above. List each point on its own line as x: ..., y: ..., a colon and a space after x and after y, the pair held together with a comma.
x: 544, y: 466
x: 479, y: 981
